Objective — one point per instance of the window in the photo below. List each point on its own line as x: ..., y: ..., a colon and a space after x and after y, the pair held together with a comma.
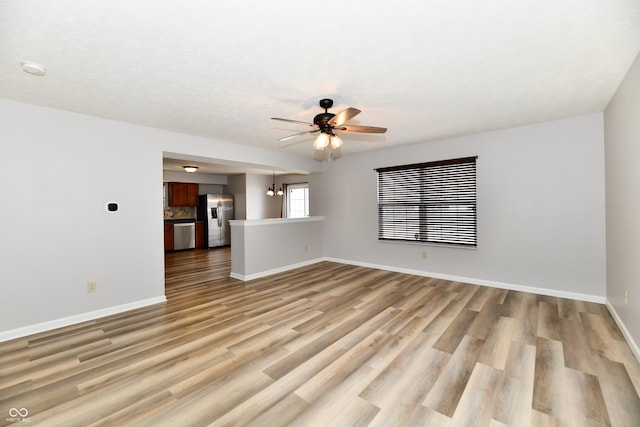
x: 297, y: 200
x: 428, y: 202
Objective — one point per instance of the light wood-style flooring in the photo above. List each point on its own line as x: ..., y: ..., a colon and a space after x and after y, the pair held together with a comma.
x: 326, y: 345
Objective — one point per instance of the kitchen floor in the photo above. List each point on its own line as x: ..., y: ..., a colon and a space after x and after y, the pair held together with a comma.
x: 185, y: 268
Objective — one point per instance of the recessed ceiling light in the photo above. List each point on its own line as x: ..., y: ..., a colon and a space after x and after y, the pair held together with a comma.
x: 34, y: 69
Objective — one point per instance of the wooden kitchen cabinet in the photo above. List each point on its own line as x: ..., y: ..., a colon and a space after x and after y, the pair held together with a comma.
x: 168, y: 237
x: 182, y: 194
x: 192, y: 194
x: 200, y: 243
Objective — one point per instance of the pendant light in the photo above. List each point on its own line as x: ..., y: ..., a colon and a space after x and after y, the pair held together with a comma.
x: 272, y: 190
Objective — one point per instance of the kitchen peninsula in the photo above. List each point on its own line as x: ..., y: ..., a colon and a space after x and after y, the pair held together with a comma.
x: 266, y: 246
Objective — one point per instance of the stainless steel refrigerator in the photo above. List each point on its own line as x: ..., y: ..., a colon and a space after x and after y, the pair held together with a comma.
x: 216, y: 210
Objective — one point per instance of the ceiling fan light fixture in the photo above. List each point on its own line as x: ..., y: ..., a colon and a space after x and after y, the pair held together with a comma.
x: 322, y: 141
x: 336, y: 141
x: 190, y: 168
x: 327, y: 144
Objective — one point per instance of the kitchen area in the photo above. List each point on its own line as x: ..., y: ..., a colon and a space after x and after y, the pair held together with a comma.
x: 193, y: 220
x: 201, y: 198
x: 224, y: 207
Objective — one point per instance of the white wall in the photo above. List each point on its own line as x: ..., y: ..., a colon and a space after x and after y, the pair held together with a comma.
x: 251, y: 200
x: 212, y: 189
x: 196, y: 178
x: 238, y: 187
x: 257, y: 199
x: 58, y: 170
x: 622, y: 151
x: 540, y: 209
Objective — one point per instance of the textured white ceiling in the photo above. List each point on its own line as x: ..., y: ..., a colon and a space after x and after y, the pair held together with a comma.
x: 221, y: 69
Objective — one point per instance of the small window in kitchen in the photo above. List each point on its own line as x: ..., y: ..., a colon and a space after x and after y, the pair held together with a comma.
x: 431, y: 202
x: 297, y: 200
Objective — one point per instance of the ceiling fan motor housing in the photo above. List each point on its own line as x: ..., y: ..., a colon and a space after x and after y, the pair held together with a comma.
x: 326, y: 103
x: 322, y: 119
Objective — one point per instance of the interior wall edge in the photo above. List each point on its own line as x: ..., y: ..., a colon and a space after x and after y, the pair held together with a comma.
x: 76, y: 319
x: 247, y: 277
x: 625, y: 332
x: 600, y: 299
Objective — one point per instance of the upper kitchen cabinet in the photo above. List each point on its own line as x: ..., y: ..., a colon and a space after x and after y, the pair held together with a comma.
x: 182, y: 194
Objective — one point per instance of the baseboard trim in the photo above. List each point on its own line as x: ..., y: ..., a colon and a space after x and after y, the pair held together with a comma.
x: 627, y: 335
x: 78, y: 318
x: 510, y: 286
x: 265, y: 273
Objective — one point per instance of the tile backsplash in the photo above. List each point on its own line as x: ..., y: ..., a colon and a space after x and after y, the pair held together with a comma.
x: 179, y: 212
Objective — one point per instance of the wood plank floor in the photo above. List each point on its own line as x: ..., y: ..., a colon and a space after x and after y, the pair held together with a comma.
x: 328, y: 344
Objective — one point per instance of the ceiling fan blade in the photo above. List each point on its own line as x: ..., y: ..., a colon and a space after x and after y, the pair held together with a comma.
x: 298, y: 134
x: 361, y: 129
x: 292, y: 121
x: 344, y: 116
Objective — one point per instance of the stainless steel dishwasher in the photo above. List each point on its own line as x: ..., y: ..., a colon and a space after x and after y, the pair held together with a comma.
x: 184, y: 236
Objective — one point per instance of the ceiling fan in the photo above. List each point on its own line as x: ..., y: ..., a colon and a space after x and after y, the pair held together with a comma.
x: 328, y: 142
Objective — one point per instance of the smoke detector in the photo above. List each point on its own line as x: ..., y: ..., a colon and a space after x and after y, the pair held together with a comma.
x: 34, y: 69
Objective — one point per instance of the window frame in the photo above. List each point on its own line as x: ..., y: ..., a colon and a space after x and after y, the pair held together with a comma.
x: 295, y: 186
x: 432, y: 203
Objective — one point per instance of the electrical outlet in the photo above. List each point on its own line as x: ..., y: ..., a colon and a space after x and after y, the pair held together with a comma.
x: 305, y: 248
x: 625, y: 297
x: 424, y: 254
x: 92, y: 286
